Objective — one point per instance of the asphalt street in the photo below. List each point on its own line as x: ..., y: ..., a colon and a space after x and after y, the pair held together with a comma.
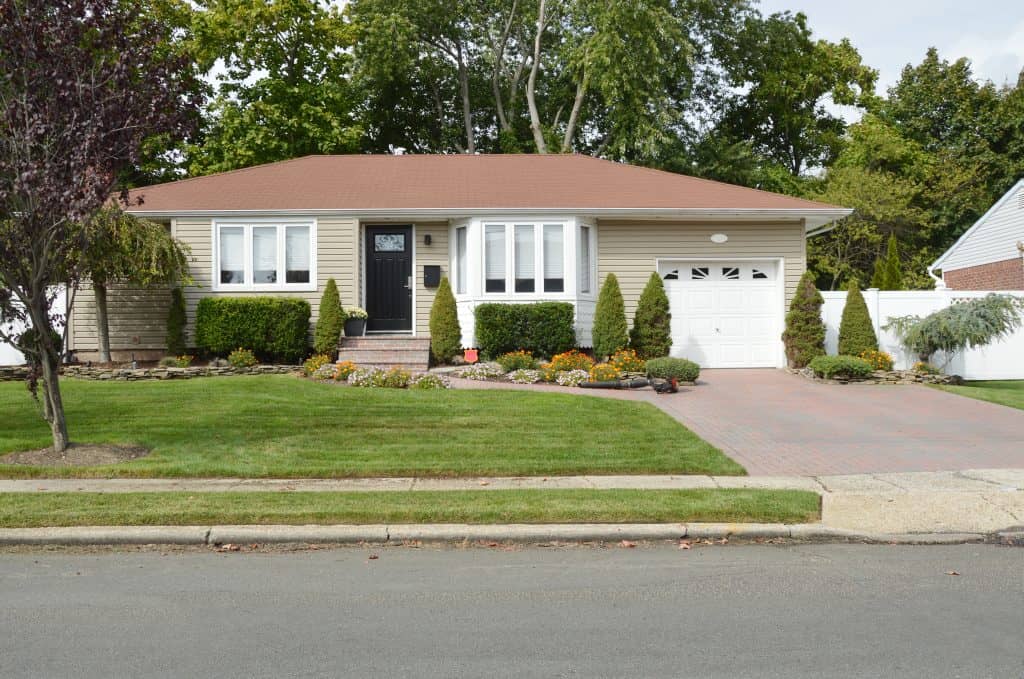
x: 711, y: 611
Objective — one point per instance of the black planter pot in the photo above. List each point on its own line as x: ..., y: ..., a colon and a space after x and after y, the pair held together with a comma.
x: 355, y: 327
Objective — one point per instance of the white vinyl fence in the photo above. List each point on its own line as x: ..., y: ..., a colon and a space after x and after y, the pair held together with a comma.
x: 1002, y: 360
x: 9, y: 355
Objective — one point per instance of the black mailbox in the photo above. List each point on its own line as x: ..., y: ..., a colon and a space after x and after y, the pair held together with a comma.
x: 431, y: 275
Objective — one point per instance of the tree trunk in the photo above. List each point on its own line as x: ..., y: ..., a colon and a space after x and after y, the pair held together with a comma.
x: 54, y: 404
x: 102, y: 324
x: 531, y: 85
x: 574, y: 115
x: 467, y: 109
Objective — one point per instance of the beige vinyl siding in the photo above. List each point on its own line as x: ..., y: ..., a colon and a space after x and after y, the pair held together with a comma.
x: 629, y: 249
x: 137, y: 320
x: 435, y: 253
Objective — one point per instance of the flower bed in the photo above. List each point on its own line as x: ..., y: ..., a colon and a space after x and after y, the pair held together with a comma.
x: 884, y: 377
x: 83, y: 372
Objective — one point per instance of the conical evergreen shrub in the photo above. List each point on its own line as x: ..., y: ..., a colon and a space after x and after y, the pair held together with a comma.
x: 804, y: 336
x: 609, y: 333
x: 651, y: 334
x: 892, y: 270
x: 856, y: 333
x: 329, y: 322
x: 445, y: 332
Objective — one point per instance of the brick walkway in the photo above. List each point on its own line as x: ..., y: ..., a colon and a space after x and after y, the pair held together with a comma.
x: 775, y: 423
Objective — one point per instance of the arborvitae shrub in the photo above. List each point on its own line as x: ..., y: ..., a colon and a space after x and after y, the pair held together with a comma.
x: 804, y: 336
x: 609, y: 331
x: 445, y: 332
x: 651, y: 335
x: 856, y: 333
x: 329, y: 322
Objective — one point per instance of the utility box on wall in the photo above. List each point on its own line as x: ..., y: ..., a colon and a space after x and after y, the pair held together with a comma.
x: 431, y: 275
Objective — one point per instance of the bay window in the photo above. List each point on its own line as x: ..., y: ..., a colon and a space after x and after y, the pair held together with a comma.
x: 554, y: 258
x: 264, y: 256
x: 494, y: 258
x: 524, y: 258
x: 461, y: 269
x: 584, y: 266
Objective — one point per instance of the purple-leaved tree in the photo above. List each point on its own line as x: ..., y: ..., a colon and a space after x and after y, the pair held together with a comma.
x: 82, y: 84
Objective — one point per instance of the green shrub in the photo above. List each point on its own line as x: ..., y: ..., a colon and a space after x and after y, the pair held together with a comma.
x: 804, y: 336
x: 445, y: 333
x: 609, y: 330
x: 517, y: 360
x: 667, y: 367
x: 926, y: 368
x: 242, y: 358
x: 274, y: 328
x: 879, y: 360
x: 545, y: 328
x: 840, y: 366
x: 182, y: 361
x: 968, y: 324
x: 329, y: 321
x: 176, y: 324
x: 314, y: 363
x: 651, y: 335
x: 856, y: 333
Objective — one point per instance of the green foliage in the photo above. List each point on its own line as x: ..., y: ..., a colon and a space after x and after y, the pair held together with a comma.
x: 275, y: 328
x: 804, y: 336
x: 926, y: 368
x: 445, y: 332
x: 964, y: 325
x: 176, y: 320
x: 329, y: 322
x: 609, y: 330
x: 846, y: 367
x: 667, y: 367
x: 891, y: 277
x: 544, y: 329
x: 517, y: 360
x: 285, y: 90
x: 856, y: 332
x: 314, y: 363
x: 242, y: 358
x: 879, y: 360
x: 651, y: 333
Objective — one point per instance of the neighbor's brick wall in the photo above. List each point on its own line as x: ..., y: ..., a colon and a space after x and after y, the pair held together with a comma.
x: 1005, y: 275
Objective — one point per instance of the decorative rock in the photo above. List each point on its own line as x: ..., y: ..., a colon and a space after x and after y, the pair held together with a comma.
x: 883, y: 377
x: 85, y: 372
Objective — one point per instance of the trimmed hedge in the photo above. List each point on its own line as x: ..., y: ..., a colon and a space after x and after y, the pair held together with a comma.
x: 274, y: 328
x: 667, y: 367
x: 543, y: 329
x: 840, y: 366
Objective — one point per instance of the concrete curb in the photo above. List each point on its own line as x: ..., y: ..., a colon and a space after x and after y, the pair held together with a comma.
x: 519, y: 533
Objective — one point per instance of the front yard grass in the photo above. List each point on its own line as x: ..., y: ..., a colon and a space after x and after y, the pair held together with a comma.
x: 278, y: 426
x: 1005, y: 392
x: 23, y: 510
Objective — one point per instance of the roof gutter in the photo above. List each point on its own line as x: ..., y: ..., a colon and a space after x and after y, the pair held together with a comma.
x: 815, y: 219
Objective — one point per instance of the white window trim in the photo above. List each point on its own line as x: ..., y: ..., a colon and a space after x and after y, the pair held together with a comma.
x: 569, y: 244
x: 248, y: 285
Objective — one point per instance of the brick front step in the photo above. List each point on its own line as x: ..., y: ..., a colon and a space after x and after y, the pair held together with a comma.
x: 386, y: 351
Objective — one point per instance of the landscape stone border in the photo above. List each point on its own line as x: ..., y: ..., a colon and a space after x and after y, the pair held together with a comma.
x: 883, y: 377
x: 84, y: 372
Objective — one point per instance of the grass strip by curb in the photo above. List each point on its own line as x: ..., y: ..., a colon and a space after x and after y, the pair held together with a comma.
x: 27, y: 510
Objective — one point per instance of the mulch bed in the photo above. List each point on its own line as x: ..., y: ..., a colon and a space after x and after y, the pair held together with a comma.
x: 77, y: 455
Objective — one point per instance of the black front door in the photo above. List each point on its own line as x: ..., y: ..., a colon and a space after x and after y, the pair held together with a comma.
x: 389, y: 279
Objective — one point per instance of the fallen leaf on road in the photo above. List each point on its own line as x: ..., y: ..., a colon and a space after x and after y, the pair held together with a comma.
x: 627, y: 544
x: 373, y: 556
x: 485, y: 483
x: 952, y: 573
x: 723, y: 541
x: 254, y: 546
x: 683, y: 544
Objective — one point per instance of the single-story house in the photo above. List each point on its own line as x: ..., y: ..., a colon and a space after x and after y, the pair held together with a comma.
x: 503, y: 228
x: 990, y: 254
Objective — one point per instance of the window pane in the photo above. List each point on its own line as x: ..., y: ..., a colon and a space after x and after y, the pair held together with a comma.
x: 554, y: 266
x: 264, y: 255
x: 460, y: 260
x: 296, y: 254
x: 232, y: 255
x: 494, y: 257
x: 524, y: 258
x: 585, y: 259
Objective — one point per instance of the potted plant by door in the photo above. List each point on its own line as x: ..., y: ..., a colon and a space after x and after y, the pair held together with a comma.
x: 355, y: 322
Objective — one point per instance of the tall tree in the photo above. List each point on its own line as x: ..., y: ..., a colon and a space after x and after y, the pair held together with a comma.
x: 129, y: 250
x: 284, y: 90
x: 83, y: 83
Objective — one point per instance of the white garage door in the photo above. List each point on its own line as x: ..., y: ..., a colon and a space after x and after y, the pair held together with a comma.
x: 725, y: 314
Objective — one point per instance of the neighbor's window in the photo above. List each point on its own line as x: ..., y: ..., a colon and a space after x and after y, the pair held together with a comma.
x: 494, y: 258
x: 460, y: 260
x: 524, y: 258
x: 554, y: 259
x: 261, y: 256
x: 584, y: 259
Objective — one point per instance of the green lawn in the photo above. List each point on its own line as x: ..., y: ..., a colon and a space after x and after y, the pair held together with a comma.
x: 495, y: 506
x: 1006, y: 392
x: 283, y: 426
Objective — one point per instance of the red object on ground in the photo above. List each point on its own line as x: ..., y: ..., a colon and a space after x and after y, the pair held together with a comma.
x: 471, y: 356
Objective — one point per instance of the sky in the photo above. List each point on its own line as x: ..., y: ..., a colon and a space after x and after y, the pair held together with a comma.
x: 892, y: 33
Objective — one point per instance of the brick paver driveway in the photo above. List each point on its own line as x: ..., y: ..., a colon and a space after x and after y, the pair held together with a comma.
x: 773, y: 422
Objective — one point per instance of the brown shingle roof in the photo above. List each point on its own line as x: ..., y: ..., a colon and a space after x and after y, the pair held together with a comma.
x: 459, y: 182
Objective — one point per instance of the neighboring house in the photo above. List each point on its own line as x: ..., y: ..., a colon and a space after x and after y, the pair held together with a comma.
x: 990, y: 254
x: 503, y: 228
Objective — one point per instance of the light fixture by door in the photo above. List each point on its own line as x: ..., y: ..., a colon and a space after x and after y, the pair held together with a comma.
x: 427, y: 239
x: 719, y: 238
